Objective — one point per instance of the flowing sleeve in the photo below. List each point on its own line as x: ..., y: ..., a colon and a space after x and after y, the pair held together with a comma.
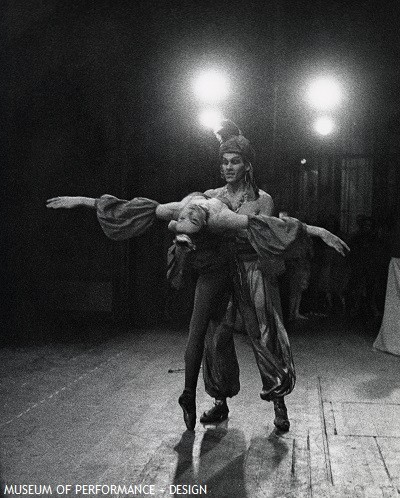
x: 276, y: 239
x: 121, y: 219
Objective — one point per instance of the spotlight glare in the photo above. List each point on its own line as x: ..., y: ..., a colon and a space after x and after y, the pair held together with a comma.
x: 324, y: 93
x: 324, y: 126
x: 211, y: 118
x: 211, y: 86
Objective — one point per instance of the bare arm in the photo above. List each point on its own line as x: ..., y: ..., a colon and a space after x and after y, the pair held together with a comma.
x: 212, y: 192
x: 329, y: 238
x: 314, y: 231
x: 68, y: 202
x: 222, y: 218
x: 169, y: 211
x: 228, y: 220
x: 165, y: 212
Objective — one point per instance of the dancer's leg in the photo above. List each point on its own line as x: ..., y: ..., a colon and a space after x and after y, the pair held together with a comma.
x: 209, y: 296
x: 220, y: 367
x: 262, y: 316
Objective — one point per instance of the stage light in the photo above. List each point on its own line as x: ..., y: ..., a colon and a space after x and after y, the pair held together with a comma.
x: 211, y: 86
x: 324, y: 125
x: 211, y: 118
x: 324, y: 93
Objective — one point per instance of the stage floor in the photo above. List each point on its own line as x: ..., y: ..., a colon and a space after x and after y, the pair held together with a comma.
x: 104, y: 412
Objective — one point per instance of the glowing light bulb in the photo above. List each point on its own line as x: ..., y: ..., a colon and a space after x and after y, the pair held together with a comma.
x: 211, y: 118
x: 211, y: 86
x: 324, y: 93
x: 324, y: 125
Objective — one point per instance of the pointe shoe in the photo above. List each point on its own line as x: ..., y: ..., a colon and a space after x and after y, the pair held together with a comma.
x: 217, y: 413
x: 281, y: 420
x: 265, y: 395
x: 188, y: 405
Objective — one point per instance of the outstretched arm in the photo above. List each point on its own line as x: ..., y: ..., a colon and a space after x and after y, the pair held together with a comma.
x: 169, y: 211
x: 221, y: 218
x: 165, y: 212
x: 224, y: 218
x: 329, y: 238
x: 68, y: 202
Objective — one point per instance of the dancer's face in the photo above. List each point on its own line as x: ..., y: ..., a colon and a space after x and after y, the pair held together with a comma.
x: 233, y: 168
x: 191, y: 220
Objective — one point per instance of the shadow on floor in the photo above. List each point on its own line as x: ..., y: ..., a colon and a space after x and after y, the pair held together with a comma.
x: 219, y: 463
x: 224, y: 464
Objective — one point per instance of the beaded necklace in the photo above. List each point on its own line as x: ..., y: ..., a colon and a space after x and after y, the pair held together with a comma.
x: 244, y: 198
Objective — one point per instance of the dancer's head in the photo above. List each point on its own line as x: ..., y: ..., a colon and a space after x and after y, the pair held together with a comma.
x: 234, y: 169
x: 236, y: 155
x: 193, y: 215
x: 238, y: 144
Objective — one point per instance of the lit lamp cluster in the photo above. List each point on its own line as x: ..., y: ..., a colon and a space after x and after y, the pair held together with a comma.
x: 211, y: 87
x: 324, y: 95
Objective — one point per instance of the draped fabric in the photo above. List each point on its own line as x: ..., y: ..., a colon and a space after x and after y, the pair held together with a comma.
x: 121, y: 219
x: 270, y: 236
x: 258, y: 301
x: 395, y: 242
x: 257, y: 298
x: 177, y: 262
x: 220, y: 364
x: 260, y: 308
x: 388, y: 339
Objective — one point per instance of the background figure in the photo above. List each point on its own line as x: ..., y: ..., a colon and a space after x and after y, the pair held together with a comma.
x: 388, y: 339
x: 295, y: 280
x: 332, y: 277
x: 365, y: 263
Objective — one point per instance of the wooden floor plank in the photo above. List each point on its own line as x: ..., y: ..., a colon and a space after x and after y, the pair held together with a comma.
x: 390, y: 452
x: 356, y: 461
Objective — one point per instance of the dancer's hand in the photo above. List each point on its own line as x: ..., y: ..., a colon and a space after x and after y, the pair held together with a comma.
x: 334, y: 241
x: 63, y: 202
x: 68, y: 202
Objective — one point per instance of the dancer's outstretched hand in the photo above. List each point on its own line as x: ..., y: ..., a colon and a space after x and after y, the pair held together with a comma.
x: 336, y: 242
x: 63, y: 202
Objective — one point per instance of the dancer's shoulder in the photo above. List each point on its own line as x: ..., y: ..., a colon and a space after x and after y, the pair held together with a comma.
x: 266, y: 203
x: 214, y: 192
x: 262, y: 193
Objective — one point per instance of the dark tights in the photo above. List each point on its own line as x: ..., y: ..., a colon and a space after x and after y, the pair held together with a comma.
x: 210, y: 302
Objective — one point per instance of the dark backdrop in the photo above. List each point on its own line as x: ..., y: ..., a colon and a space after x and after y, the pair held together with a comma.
x: 96, y: 98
